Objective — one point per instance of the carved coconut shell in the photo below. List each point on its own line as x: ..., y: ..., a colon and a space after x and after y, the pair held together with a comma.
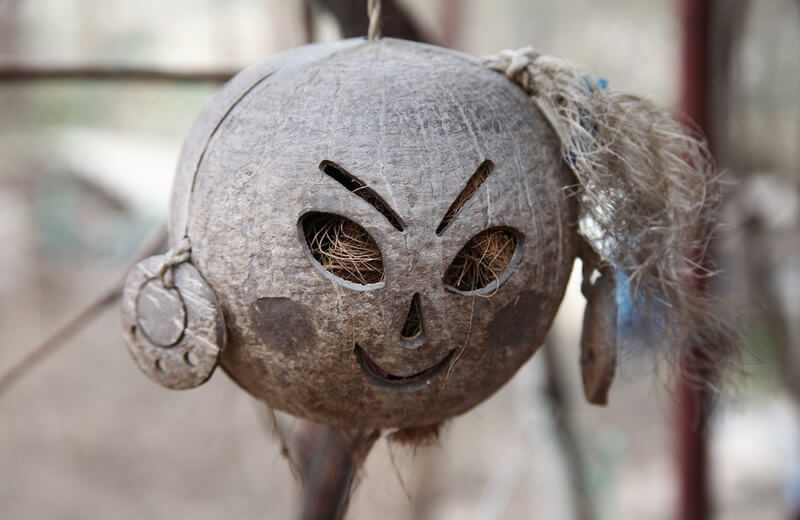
x: 419, y: 153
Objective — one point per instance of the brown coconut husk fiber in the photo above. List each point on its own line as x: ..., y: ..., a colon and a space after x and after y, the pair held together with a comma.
x: 417, y: 436
x: 482, y: 260
x: 648, y: 190
x: 343, y: 248
x: 346, y: 250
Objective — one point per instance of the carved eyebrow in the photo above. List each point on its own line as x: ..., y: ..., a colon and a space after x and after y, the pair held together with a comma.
x: 474, y: 182
x: 356, y: 186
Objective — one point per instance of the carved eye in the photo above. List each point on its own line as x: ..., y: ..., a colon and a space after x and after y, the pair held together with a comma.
x: 341, y: 248
x: 484, y: 262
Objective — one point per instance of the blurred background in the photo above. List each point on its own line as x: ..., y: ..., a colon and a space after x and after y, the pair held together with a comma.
x: 85, y: 175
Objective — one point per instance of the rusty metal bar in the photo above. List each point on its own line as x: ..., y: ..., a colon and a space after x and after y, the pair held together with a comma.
x: 693, y: 401
x: 27, y: 72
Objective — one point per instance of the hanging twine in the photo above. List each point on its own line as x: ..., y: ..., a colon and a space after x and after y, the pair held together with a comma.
x: 646, y: 182
x: 374, y: 14
x: 176, y: 255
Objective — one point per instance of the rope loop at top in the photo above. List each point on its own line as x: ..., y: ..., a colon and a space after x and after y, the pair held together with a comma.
x: 374, y: 14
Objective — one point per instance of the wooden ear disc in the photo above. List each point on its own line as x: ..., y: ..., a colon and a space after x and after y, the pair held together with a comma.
x: 175, y: 334
x: 599, y: 340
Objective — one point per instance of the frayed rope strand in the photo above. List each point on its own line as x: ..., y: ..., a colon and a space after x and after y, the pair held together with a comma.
x: 648, y: 188
x: 374, y: 14
x: 178, y: 254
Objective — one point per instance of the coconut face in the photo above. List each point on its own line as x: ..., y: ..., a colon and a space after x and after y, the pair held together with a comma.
x: 384, y: 225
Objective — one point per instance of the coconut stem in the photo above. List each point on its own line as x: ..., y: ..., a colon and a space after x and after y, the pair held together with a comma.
x: 330, y: 471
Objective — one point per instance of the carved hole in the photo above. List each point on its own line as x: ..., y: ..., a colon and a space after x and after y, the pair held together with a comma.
x: 350, y: 182
x: 342, y: 248
x: 482, y: 261
x: 474, y: 182
x: 160, y: 366
x: 191, y: 359
x: 413, y: 324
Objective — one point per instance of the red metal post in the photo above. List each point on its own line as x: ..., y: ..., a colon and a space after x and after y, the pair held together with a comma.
x: 693, y: 402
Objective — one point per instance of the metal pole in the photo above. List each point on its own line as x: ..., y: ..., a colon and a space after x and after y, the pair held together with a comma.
x: 693, y: 401
x: 24, y: 72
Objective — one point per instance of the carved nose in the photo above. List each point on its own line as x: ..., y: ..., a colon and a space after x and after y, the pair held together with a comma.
x: 412, y: 332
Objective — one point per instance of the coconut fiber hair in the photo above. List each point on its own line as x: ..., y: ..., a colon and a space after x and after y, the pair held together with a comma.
x: 648, y: 193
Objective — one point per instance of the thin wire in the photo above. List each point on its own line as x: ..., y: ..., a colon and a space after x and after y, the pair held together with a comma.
x: 374, y: 13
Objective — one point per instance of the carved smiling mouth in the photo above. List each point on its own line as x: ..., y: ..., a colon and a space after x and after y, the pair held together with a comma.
x: 378, y: 376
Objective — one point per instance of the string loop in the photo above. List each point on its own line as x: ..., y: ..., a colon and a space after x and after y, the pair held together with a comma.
x: 176, y: 255
x: 374, y: 14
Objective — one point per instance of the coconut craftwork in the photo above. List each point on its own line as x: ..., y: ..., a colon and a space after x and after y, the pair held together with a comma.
x: 378, y: 233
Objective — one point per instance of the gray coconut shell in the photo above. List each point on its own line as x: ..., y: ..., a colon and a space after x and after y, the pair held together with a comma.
x: 412, y: 122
